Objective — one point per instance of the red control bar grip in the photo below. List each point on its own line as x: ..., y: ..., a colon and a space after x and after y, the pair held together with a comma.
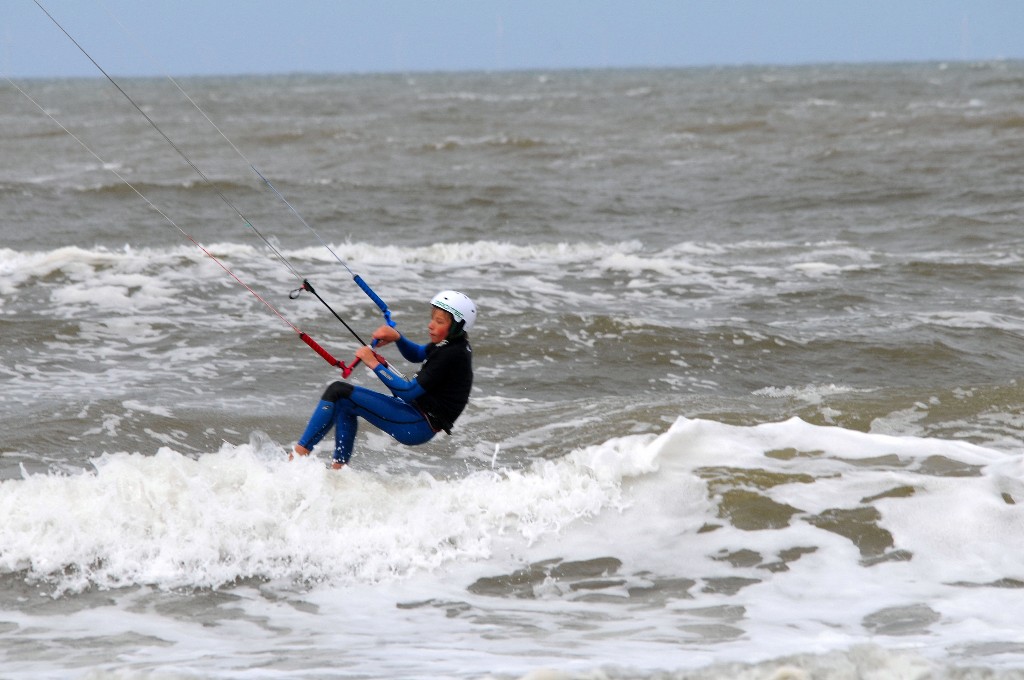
x: 346, y: 371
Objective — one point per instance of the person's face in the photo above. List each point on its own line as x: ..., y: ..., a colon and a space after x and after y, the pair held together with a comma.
x: 440, y: 324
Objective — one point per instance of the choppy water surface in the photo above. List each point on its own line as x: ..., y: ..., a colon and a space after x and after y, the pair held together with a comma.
x: 747, y: 375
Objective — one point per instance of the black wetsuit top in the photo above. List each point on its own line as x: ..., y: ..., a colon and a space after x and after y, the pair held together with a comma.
x: 447, y: 379
x: 441, y: 388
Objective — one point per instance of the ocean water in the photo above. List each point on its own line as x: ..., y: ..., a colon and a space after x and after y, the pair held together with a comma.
x: 748, y: 397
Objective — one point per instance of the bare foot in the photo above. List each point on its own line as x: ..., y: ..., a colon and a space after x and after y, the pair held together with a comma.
x: 298, y: 451
x: 337, y: 466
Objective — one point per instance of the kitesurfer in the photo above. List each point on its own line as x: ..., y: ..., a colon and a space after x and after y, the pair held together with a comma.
x: 422, y: 406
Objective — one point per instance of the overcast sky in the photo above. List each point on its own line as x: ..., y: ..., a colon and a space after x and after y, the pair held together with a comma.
x: 190, y: 37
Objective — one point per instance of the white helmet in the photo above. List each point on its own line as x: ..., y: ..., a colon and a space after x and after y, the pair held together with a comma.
x: 459, y: 306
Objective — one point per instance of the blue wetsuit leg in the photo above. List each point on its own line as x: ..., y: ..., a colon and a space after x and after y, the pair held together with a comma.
x: 342, y: 403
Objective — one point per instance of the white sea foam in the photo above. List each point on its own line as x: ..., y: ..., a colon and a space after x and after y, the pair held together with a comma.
x: 974, y: 320
x: 359, y: 541
x: 813, y: 394
x: 176, y: 521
